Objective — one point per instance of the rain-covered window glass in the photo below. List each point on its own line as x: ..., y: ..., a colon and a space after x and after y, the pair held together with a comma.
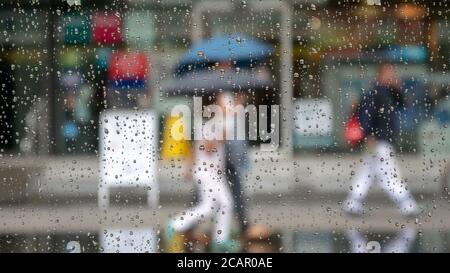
x: 224, y: 126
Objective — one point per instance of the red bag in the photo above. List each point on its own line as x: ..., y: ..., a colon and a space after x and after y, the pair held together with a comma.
x: 128, y: 66
x: 353, y: 131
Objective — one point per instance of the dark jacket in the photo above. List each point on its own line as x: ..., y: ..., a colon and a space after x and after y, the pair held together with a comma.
x: 379, y: 112
x: 237, y: 155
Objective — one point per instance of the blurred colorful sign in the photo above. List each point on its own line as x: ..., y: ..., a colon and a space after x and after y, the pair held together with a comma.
x: 70, y: 80
x: 71, y: 58
x: 70, y: 130
x: 106, y: 28
x: 140, y: 30
x: 102, y: 57
x: 409, y: 53
x: 172, y: 148
x: 77, y: 29
x: 128, y: 69
x: 82, y: 113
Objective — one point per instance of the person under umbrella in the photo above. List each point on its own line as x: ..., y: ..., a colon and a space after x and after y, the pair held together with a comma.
x: 237, y: 162
x: 216, y: 201
x: 234, y: 48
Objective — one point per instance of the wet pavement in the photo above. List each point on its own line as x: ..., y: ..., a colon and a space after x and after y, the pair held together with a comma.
x: 286, y: 227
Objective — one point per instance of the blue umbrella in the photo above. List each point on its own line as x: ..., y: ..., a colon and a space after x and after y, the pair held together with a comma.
x: 233, y: 47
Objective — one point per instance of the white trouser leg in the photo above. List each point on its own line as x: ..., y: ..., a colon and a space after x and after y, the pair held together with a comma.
x: 382, y: 166
x: 192, y: 216
x: 215, y: 198
x: 388, y: 172
x: 363, y: 179
x: 186, y: 220
x: 224, y: 215
x: 360, y: 187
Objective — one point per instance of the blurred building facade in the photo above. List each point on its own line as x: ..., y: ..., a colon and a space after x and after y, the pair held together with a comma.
x: 60, y: 68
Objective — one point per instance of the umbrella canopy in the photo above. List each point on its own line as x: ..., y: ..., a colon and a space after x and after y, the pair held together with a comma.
x: 204, y: 82
x: 234, y: 47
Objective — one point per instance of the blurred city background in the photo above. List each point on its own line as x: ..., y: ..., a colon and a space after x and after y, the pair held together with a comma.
x: 63, y: 63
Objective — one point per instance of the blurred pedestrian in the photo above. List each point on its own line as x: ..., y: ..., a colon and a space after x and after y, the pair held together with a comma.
x: 215, y: 200
x: 236, y: 156
x: 378, y: 116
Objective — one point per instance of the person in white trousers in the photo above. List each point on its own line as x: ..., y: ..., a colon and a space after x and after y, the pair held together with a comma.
x: 378, y: 110
x: 215, y: 197
x: 380, y: 165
